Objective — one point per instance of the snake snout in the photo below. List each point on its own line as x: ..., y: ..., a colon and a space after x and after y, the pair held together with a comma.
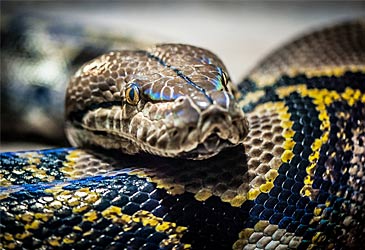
x: 220, y: 128
x: 214, y: 121
x: 228, y: 125
x: 205, y: 126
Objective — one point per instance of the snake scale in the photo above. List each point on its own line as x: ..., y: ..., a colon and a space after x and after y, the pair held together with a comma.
x: 277, y: 163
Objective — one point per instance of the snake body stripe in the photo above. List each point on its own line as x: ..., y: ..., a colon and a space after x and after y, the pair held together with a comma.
x: 297, y: 183
x: 351, y: 80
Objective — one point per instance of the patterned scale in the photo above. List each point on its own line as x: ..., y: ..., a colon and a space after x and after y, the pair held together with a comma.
x: 297, y: 182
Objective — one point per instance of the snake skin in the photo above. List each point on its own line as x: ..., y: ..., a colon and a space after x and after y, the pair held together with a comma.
x: 297, y: 183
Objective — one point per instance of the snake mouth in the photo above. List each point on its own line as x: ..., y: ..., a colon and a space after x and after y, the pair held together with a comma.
x: 216, y: 134
x: 211, y: 146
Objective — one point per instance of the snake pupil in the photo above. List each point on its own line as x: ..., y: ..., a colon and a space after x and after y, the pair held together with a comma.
x: 131, y: 94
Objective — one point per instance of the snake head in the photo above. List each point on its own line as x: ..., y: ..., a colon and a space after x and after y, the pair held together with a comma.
x: 171, y: 100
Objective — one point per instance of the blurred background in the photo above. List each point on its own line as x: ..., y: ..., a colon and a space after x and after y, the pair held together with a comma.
x: 241, y: 33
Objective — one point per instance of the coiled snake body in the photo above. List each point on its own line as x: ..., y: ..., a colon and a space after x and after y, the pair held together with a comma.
x: 296, y: 183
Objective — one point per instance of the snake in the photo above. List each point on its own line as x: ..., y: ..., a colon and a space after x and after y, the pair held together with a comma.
x: 168, y: 153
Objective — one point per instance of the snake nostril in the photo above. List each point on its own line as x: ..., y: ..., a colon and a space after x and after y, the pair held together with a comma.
x: 190, y: 129
x: 174, y: 133
x: 215, y: 131
x: 180, y: 99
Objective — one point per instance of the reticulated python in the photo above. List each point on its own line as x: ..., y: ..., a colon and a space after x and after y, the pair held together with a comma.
x: 296, y: 183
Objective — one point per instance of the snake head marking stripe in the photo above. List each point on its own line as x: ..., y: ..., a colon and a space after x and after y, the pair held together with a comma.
x: 172, y: 100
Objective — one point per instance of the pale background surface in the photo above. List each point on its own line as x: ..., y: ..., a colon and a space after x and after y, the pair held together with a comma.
x: 241, y: 33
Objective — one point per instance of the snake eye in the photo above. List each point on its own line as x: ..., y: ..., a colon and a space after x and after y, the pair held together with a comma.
x: 132, y: 94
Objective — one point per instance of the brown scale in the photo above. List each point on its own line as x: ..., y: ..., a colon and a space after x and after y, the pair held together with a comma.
x: 263, y: 145
x: 202, y: 68
x: 266, y: 236
x: 98, y: 82
x: 322, y: 50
